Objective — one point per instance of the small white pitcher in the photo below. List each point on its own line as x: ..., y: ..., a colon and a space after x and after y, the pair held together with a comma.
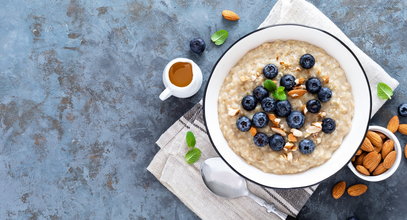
x: 181, y: 92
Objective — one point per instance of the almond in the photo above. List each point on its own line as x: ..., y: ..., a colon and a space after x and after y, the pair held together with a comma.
x: 367, y: 145
x: 295, y: 93
x: 230, y: 15
x: 382, y: 135
x: 325, y: 79
x: 374, y: 138
x: 403, y: 129
x: 389, y: 160
x: 405, y: 151
x: 353, y: 159
x: 271, y: 117
x: 296, y: 132
x: 378, y: 149
x: 300, y: 81
x: 393, y: 124
x: 359, y: 152
x: 253, y: 131
x: 338, y: 190
x: 387, y: 147
x: 279, y: 131
x: 357, y: 190
x: 379, y: 170
x: 361, y: 169
x: 359, y: 159
x: 371, y: 160
x: 292, y: 138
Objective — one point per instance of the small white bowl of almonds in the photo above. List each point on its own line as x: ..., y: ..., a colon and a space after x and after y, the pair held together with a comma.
x: 379, y: 155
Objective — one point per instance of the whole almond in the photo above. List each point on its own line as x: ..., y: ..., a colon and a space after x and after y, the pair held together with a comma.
x: 367, y: 145
x: 338, y: 190
x: 378, y: 149
x: 230, y: 15
x: 405, y: 151
x: 296, y: 93
x: 359, y: 159
x: 393, y: 124
x: 357, y: 190
x: 374, y: 138
x: 371, y: 160
x: 403, y: 129
x: 362, y: 170
x: 387, y: 147
x: 379, y: 170
x: 383, y: 136
x: 359, y: 152
x: 353, y: 159
x: 389, y: 160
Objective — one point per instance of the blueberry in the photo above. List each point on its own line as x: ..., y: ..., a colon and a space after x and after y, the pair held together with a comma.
x: 283, y: 108
x: 260, y: 93
x: 197, y: 45
x: 260, y: 139
x: 268, y: 104
x: 313, y: 106
x: 288, y: 81
x: 328, y: 125
x: 307, y: 61
x: 324, y: 94
x: 313, y: 85
x: 270, y: 71
x: 276, y: 142
x: 403, y: 110
x: 249, y: 102
x: 295, y: 119
x: 352, y: 218
x: 306, y: 146
x: 243, y: 123
x: 260, y: 120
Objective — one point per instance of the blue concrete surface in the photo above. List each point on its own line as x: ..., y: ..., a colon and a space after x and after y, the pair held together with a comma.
x: 79, y: 107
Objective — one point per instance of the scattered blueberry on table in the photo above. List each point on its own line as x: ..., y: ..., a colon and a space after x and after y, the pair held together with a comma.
x: 197, y: 45
x: 403, y: 110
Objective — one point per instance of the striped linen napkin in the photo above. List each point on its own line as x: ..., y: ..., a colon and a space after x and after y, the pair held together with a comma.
x: 185, y: 181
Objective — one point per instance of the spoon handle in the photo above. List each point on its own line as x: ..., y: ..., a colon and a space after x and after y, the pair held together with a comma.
x: 270, y: 207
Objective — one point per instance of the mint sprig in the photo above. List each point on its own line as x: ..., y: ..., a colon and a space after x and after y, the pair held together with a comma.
x: 384, y: 91
x: 269, y: 85
x: 194, y: 153
x: 279, y: 93
x: 219, y: 37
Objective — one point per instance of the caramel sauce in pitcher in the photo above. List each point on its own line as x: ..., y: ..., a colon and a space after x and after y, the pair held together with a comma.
x: 181, y: 74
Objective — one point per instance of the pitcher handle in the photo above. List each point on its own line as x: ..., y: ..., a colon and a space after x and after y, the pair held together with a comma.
x: 165, y: 94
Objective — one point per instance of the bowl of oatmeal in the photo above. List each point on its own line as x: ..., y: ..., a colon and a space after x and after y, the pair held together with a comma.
x: 287, y: 106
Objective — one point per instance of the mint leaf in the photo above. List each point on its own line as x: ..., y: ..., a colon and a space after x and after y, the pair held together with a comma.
x: 279, y: 94
x: 384, y: 91
x: 190, y: 138
x: 219, y: 37
x: 193, y: 155
x: 270, y: 85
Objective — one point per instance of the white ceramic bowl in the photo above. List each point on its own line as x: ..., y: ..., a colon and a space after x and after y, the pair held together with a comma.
x: 356, y: 77
x: 389, y: 172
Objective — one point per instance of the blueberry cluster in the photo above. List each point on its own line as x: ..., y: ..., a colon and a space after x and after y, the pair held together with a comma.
x: 283, y: 108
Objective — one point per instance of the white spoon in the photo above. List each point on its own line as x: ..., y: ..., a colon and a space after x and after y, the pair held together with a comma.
x: 223, y: 181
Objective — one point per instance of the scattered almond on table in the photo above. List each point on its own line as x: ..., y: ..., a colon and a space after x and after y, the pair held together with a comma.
x: 355, y: 190
x: 339, y: 189
x: 230, y: 15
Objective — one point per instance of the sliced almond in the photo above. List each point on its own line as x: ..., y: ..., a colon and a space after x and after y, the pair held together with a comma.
x: 296, y: 132
x: 322, y: 114
x: 279, y: 131
x: 317, y: 124
x: 374, y: 138
x: 299, y: 81
x: 276, y: 122
x: 371, y: 160
x: 367, y: 145
x: 393, y: 124
x: 304, y: 109
x: 271, y: 117
x: 403, y: 129
x: 325, y: 79
x: 313, y: 129
x: 289, y: 156
x: 389, y: 160
x: 361, y: 169
x: 388, y: 146
x: 291, y: 138
x: 233, y: 111
x: 379, y: 170
x: 296, y: 93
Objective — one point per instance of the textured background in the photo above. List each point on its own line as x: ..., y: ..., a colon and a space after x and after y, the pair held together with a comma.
x: 79, y: 107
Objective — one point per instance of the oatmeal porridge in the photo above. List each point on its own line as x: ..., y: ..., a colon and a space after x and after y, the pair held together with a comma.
x: 285, y: 107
